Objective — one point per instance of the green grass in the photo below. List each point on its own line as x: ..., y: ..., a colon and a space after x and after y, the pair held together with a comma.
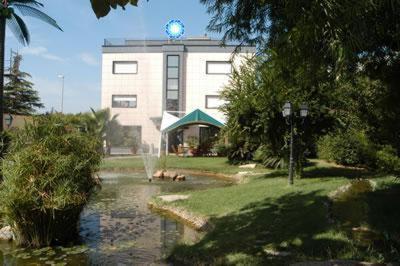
x: 202, y: 164
x: 267, y: 213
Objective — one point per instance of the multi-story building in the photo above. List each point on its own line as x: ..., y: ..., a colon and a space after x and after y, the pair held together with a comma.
x: 143, y: 79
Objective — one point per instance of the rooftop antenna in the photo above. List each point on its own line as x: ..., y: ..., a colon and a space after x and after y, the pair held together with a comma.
x: 11, y: 61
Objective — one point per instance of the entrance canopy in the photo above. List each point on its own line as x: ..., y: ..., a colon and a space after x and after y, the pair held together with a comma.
x: 197, y: 117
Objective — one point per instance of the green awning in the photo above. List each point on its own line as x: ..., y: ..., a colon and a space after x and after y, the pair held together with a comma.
x: 197, y: 117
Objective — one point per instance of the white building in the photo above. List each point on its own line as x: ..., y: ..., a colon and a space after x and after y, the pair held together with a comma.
x: 142, y: 79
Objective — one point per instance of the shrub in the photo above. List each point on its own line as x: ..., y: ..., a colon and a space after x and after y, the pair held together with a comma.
x: 48, y: 178
x: 387, y: 160
x: 221, y: 149
x: 193, y: 142
x: 240, y: 153
x: 264, y: 156
x: 351, y: 148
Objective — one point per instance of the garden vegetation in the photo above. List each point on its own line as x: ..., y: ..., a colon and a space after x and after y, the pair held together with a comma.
x: 48, y: 177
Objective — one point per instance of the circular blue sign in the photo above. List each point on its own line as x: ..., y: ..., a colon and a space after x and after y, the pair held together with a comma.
x: 175, y: 29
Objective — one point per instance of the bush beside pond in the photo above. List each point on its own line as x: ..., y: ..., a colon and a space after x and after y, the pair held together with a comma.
x: 48, y: 178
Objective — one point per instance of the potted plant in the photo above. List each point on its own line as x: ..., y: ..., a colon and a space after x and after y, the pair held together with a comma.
x: 193, y: 143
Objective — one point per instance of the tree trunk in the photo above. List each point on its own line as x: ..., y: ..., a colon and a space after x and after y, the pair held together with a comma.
x: 299, y: 167
x: 2, y: 48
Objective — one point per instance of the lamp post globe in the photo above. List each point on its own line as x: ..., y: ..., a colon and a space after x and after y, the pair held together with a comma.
x: 303, y: 110
x: 287, y: 109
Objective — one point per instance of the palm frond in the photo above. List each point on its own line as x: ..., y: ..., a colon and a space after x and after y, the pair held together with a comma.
x: 93, y: 111
x: 30, y: 11
x: 114, y: 117
x: 18, y: 27
x: 32, y: 3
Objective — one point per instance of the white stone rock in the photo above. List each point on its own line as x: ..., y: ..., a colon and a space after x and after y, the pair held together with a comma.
x: 6, y: 233
x: 158, y: 174
x: 273, y: 252
x: 169, y: 174
x: 171, y: 198
x: 250, y: 166
x: 243, y: 173
x: 180, y: 178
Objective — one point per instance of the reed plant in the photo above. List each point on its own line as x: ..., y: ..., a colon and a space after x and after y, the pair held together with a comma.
x: 48, y: 177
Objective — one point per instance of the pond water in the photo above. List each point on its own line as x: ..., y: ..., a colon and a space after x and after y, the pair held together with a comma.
x: 117, y: 228
x: 349, y: 206
x: 350, y: 210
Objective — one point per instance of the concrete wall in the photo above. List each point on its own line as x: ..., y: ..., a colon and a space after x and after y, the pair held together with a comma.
x: 146, y: 84
x: 199, y: 84
x: 18, y: 121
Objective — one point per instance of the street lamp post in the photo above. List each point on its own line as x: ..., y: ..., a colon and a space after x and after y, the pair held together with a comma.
x: 289, y: 114
x: 62, y: 77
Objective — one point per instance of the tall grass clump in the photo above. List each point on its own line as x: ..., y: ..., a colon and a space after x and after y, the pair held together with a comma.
x: 48, y: 177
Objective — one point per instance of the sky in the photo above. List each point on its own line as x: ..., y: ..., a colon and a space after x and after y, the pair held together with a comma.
x: 76, y: 52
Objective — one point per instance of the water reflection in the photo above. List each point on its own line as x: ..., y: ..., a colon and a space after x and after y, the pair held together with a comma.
x: 117, y: 227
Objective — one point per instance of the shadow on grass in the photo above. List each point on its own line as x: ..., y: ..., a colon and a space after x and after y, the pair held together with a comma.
x: 321, y: 172
x: 384, y: 217
x: 351, y: 173
x: 291, y: 222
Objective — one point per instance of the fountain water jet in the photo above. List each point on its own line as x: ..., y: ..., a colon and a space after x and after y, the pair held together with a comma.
x: 149, y: 157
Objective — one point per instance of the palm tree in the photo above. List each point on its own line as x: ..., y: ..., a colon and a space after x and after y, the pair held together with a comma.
x: 17, y: 25
x: 104, y: 125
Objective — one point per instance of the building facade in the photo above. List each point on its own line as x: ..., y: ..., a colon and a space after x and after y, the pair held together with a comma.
x: 142, y: 79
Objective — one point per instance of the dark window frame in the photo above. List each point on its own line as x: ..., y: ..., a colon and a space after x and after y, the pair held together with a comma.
x: 219, y: 62
x: 212, y: 96
x: 178, y: 67
x: 123, y: 95
x: 125, y: 62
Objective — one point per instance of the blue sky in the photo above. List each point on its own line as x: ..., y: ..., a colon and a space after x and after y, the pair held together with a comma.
x: 76, y: 52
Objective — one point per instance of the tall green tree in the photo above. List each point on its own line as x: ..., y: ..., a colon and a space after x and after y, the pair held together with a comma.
x: 9, y: 17
x: 19, y: 95
x: 346, y: 47
x: 255, y: 96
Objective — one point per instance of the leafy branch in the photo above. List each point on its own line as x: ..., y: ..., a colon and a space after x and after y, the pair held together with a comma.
x: 102, y: 7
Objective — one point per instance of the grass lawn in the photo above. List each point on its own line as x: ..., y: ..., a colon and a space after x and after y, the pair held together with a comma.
x: 202, y: 164
x: 266, y: 213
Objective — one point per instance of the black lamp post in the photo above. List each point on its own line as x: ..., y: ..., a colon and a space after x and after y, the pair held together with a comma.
x: 289, y: 114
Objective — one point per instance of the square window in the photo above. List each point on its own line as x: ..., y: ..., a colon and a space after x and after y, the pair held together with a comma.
x: 214, y: 102
x: 125, y: 67
x: 219, y: 67
x: 172, y: 95
x: 173, y: 73
x: 173, y: 61
x: 124, y: 101
x: 173, y: 84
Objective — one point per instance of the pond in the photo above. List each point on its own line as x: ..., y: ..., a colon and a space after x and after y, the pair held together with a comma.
x: 350, y: 209
x: 117, y: 228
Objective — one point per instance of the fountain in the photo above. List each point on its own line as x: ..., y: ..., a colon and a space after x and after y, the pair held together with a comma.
x: 147, y: 152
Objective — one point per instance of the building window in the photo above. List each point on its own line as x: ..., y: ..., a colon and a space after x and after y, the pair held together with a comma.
x: 219, y: 67
x: 172, y: 93
x: 125, y: 67
x: 214, y: 102
x: 124, y: 101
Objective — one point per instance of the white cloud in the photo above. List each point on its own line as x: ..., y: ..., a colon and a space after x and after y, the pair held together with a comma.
x: 89, y: 59
x: 41, y: 52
